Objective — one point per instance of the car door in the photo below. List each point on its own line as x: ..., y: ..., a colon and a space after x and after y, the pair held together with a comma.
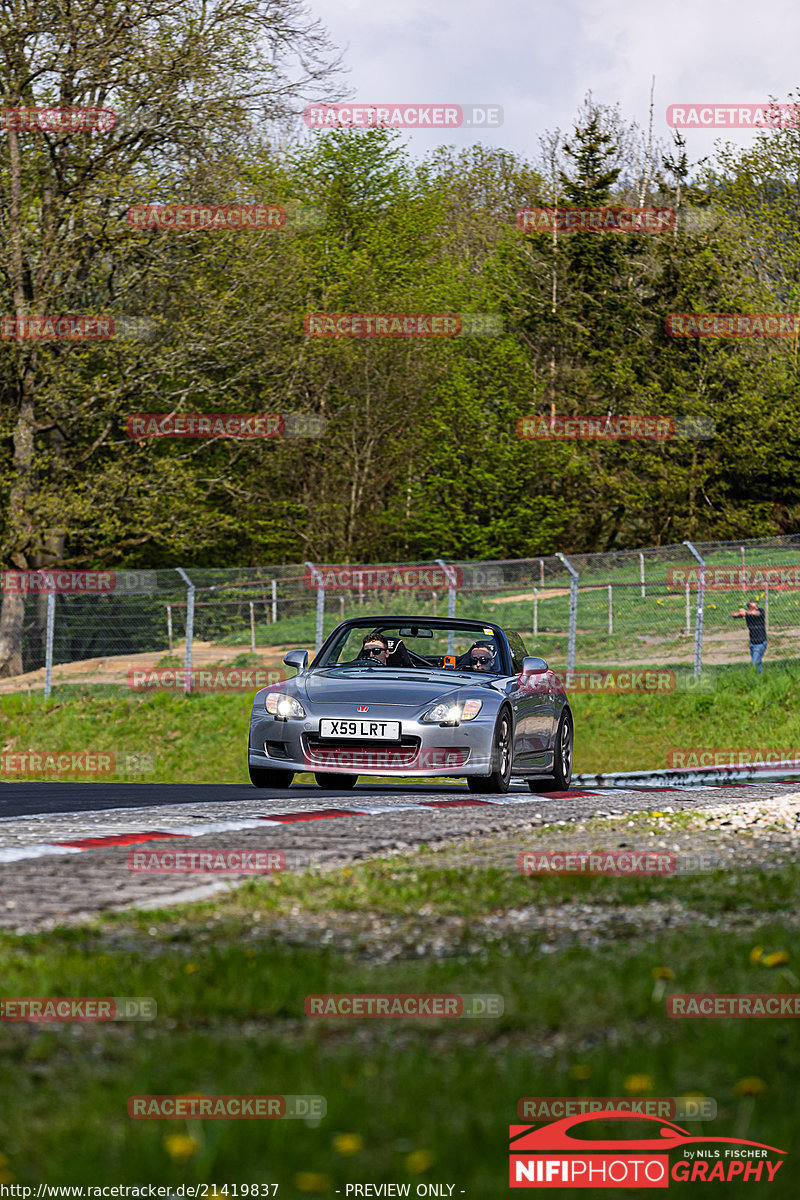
x: 534, y: 709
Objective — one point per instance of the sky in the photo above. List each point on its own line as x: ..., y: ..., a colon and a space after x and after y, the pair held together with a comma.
x: 538, y: 60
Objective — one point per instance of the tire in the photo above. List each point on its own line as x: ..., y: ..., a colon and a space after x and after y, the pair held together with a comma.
x: 336, y: 782
x: 265, y: 777
x: 562, y: 756
x: 499, y: 777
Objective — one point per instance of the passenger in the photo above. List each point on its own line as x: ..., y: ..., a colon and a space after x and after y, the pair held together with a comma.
x: 481, y: 657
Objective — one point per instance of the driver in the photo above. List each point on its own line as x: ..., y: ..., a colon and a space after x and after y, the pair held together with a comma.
x: 481, y: 657
x: 375, y: 648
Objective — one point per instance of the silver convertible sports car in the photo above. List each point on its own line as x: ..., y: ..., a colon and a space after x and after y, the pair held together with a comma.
x: 415, y: 696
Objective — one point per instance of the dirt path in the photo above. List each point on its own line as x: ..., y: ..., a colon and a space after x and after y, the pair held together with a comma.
x: 114, y: 668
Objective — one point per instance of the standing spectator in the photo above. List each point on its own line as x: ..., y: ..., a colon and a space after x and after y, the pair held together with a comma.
x: 758, y: 632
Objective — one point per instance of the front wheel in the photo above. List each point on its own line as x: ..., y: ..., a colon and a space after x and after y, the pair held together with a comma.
x: 499, y: 777
x: 265, y: 777
x: 562, y: 760
x: 339, y: 783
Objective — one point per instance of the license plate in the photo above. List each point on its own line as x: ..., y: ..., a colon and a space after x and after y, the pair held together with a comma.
x: 385, y: 731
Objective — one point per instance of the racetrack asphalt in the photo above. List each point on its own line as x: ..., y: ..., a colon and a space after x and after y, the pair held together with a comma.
x: 64, y: 846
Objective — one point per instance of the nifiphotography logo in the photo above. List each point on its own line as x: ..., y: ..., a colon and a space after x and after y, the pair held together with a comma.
x: 554, y: 1156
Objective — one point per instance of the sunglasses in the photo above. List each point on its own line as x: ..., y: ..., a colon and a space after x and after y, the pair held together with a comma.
x: 369, y: 650
x: 483, y: 659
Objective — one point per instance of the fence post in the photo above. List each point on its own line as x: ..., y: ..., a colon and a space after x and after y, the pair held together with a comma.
x: 701, y: 593
x: 187, y: 657
x: 573, y: 615
x: 641, y: 572
x: 318, y: 639
x: 742, y: 576
x: 766, y: 606
x: 535, y: 612
x: 688, y: 613
x: 48, y: 644
x: 169, y: 626
x: 274, y: 601
x: 610, y: 611
x: 452, y: 580
x: 541, y: 572
x: 435, y: 598
x: 341, y: 608
x: 252, y: 627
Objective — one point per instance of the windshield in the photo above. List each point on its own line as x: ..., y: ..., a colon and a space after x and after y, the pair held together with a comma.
x: 416, y: 646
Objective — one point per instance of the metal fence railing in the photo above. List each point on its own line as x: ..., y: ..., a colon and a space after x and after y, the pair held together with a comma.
x: 664, y: 606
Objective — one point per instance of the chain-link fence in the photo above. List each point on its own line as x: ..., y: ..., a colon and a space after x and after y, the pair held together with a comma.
x: 670, y: 606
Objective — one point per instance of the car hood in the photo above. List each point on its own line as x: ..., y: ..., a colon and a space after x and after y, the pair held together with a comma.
x: 404, y: 688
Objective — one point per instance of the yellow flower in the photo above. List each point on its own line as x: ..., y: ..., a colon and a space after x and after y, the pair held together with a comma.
x: 6, y: 1176
x: 776, y: 959
x: 190, y: 968
x: 663, y: 973
x: 180, y: 1146
x: 370, y: 1070
x: 348, y: 1143
x: 749, y: 1086
x: 311, y: 1181
x: 756, y: 955
x: 580, y: 1071
x: 418, y: 1161
x: 634, y: 1085
x: 656, y: 814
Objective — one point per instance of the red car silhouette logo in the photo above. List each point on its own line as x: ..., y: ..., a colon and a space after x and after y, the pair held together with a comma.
x: 363, y: 708
x: 556, y: 1136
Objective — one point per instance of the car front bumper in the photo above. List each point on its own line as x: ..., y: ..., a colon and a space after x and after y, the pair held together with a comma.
x: 424, y: 750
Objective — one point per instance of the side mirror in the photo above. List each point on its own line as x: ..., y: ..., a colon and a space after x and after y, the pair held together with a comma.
x: 297, y: 659
x: 533, y: 666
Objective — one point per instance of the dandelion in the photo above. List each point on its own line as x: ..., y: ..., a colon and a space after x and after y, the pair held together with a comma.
x: 311, y: 1181
x: 635, y: 1085
x: 663, y: 973
x: 190, y: 968
x: 348, y: 1143
x: 751, y: 1085
x: 180, y: 1146
x: 418, y: 1161
x: 776, y: 959
x: 756, y: 954
x: 580, y: 1071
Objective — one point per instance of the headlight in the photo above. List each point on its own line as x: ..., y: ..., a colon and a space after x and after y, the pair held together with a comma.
x: 452, y: 714
x: 283, y: 706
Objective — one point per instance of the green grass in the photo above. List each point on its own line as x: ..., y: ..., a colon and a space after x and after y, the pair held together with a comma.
x: 201, y: 737
x: 422, y: 1101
